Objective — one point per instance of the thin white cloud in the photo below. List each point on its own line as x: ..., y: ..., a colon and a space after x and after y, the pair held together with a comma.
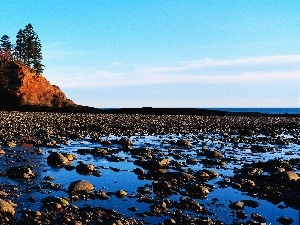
x: 207, y: 63
x: 259, y: 69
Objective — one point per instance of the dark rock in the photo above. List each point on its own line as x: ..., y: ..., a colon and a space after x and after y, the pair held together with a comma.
x: 120, y: 193
x: 258, y: 218
x: 153, y: 164
x: 236, y: 205
x: 183, y: 142
x: 85, y: 169
x: 241, y: 215
x: 57, y: 159
x: 196, y: 190
x: 52, y: 201
x: 20, y: 173
x: 80, y: 186
x: 6, y: 209
x: 126, y: 142
x: 285, y: 220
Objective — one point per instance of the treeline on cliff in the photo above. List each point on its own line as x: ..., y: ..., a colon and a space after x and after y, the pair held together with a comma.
x: 27, y: 49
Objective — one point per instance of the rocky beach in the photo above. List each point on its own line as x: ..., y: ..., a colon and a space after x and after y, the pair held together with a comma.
x: 108, y: 168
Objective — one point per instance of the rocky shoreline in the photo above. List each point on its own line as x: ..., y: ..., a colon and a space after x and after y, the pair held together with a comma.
x: 184, y: 158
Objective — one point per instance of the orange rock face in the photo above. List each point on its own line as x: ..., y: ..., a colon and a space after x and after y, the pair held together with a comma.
x: 19, y: 85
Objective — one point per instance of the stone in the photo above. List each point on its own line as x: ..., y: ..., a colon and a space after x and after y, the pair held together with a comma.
x: 154, y: 164
x: 183, y: 142
x: 290, y: 175
x: 99, y: 152
x: 126, y: 142
x: 54, y: 202
x: 56, y: 159
x: 285, y: 220
x: 120, y: 193
x: 236, y: 205
x: 6, y: 209
x: 80, y: 186
x: 85, y: 168
x: 197, y: 190
x: 213, y: 154
x: 20, y: 173
x: 258, y: 218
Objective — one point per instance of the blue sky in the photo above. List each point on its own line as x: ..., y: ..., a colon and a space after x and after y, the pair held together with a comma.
x: 166, y: 53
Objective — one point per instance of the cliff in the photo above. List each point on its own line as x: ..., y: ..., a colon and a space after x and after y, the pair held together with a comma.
x: 19, y: 85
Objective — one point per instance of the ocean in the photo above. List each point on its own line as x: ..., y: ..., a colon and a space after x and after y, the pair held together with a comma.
x: 261, y: 110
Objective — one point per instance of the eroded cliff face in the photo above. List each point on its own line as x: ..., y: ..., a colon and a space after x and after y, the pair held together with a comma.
x: 19, y: 85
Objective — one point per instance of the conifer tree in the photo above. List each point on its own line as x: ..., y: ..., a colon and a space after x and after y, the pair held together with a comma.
x: 5, y: 43
x: 5, y: 49
x: 19, y: 53
x: 29, y: 48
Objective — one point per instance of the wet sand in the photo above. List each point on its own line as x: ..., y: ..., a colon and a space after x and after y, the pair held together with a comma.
x: 148, y: 169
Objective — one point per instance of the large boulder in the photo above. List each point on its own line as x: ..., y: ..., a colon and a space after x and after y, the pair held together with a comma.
x: 6, y: 209
x: 57, y: 159
x: 80, y: 186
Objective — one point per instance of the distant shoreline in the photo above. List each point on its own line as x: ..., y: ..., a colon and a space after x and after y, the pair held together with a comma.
x: 154, y: 111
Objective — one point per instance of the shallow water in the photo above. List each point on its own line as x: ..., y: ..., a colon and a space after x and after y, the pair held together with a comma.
x: 119, y: 175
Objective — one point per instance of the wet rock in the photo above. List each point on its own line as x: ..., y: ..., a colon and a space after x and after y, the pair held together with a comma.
x: 126, y: 142
x: 206, y: 174
x: 189, y: 204
x: 250, y: 203
x: 84, y: 151
x: 27, y: 213
x: 281, y: 141
x: 20, y: 173
x: 69, y: 156
x: 241, y: 215
x: 6, y: 209
x: 259, y: 148
x: 10, y: 144
x: 162, y: 187
x: 120, y: 193
x: 85, y: 168
x: 153, y: 164
x: 3, y: 194
x: 289, y: 175
x: 258, y: 218
x: 80, y: 186
x: 2, y: 152
x: 101, y: 195
x: 49, y: 178
x: 183, y: 142
x: 145, y: 152
x: 56, y: 159
x: 50, y: 143
x: 213, y: 154
x: 236, y: 205
x: 191, y: 161
x: 99, y: 152
x: 292, y: 198
x: 133, y: 209
x: 196, y: 190
x: 54, y: 202
x: 247, y: 183
x: 285, y: 220
x: 139, y: 171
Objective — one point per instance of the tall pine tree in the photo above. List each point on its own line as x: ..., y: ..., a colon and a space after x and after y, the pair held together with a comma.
x: 5, y: 48
x: 5, y: 43
x: 29, y: 48
x: 19, y: 53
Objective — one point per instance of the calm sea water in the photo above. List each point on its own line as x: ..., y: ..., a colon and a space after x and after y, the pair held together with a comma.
x: 262, y: 110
